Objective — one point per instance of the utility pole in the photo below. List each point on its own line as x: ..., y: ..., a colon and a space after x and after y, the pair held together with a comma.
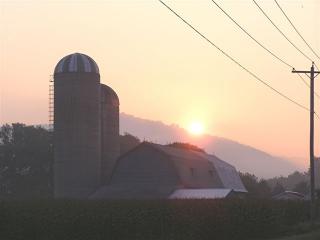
x: 312, y: 183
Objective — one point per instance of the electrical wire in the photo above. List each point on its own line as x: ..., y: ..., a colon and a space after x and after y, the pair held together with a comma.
x: 296, y: 30
x: 259, y: 43
x: 308, y: 85
x: 235, y: 61
x: 265, y: 14
x: 254, y: 39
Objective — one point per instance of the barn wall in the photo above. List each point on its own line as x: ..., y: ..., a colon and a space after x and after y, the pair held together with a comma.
x: 145, y: 172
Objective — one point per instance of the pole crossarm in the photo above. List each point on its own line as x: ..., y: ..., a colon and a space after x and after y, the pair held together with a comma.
x: 295, y: 71
x: 316, y: 73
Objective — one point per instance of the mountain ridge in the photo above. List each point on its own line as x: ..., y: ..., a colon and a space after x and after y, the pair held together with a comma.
x: 244, y: 157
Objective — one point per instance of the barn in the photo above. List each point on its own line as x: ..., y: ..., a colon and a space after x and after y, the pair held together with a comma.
x: 154, y: 171
x: 86, y: 148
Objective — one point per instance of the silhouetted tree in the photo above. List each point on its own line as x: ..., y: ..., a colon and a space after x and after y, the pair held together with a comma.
x: 128, y: 142
x: 26, y: 157
x: 301, y: 187
x: 264, y: 191
x: 187, y: 146
x: 278, y: 188
x: 290, y: 181
x: 255, y: 188
x: 250, y: 182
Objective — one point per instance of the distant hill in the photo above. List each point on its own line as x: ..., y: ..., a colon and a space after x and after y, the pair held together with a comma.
x: 243, y: 157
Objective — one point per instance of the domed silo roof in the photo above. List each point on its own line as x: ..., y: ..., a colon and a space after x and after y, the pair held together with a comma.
x: 109, y: 95
x: 76, y: 62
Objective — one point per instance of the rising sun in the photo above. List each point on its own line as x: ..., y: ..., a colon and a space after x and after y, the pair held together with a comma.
x: 196, y: 128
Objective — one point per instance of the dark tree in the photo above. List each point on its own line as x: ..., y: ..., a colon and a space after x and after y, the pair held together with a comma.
x: 278, y: 188
x: 250, y: 182
x: 256, y: 188
x: 128, y: 142
x: 290, y: 181
x: 26, y: 157
x: 264, y: 189
x: 301, y: 187
x: 187, y: 146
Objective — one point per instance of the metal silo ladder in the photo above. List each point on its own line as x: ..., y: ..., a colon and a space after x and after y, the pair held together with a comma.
x: 51, y: 103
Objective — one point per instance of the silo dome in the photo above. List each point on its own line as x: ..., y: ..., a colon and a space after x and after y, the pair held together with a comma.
x: 109, y: 96
x: 76, y: 62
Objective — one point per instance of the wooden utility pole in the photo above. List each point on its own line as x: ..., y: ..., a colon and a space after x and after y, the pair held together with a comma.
x: 312, y: 183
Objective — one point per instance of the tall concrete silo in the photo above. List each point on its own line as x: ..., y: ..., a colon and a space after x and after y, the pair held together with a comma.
x: 77, y: 122
x: 109, y: 132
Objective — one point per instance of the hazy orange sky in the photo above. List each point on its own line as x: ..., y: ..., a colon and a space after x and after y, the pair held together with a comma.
x: 162, y: 70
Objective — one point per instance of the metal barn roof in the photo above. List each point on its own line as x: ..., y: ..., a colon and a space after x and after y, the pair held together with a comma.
x: 227, y: 173
x: 200, y: 193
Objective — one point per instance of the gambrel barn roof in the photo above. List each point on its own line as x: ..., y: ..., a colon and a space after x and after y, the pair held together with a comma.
x: 156, y: 171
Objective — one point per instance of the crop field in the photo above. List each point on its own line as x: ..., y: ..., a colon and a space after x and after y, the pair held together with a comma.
x: 314, y: 235
x: 150, y: 219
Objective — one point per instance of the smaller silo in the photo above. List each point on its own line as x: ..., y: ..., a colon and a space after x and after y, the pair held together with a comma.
x: 110, y: 146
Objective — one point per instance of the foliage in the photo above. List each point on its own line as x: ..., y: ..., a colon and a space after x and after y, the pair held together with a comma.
x: 278, y: 188
x: 302, y: 187
x: 186, y: 146
x: 128, y: 142
x: 144, y: 220
x: 297, y: 181
x: 26, y: 157
x: 290, y: 181
x: 256, y: 188
x: 264, y: 189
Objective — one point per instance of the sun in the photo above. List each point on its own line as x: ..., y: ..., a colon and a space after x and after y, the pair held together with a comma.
x: 196, y: 128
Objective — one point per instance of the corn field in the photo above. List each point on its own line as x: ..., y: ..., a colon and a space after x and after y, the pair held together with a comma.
x: 150, y: 219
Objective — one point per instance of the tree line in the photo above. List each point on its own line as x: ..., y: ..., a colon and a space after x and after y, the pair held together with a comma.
x: 26, y: 165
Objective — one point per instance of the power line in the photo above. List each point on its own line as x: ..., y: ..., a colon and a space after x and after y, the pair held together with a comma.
x: 260, y: 44
x: 308, y: 85
x: 303, y: 80
x: 233, y: 60
x: 296, y: 29
x: 264, y: 13
x: 255, y: 40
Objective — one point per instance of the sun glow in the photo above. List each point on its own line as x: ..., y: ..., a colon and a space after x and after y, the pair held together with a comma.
x: 196, y: 128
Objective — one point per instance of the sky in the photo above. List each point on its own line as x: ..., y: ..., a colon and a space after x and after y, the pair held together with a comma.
x: 162, y: 70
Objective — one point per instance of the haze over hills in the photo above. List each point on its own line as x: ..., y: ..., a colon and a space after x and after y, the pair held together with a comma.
x: 244, y: 158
